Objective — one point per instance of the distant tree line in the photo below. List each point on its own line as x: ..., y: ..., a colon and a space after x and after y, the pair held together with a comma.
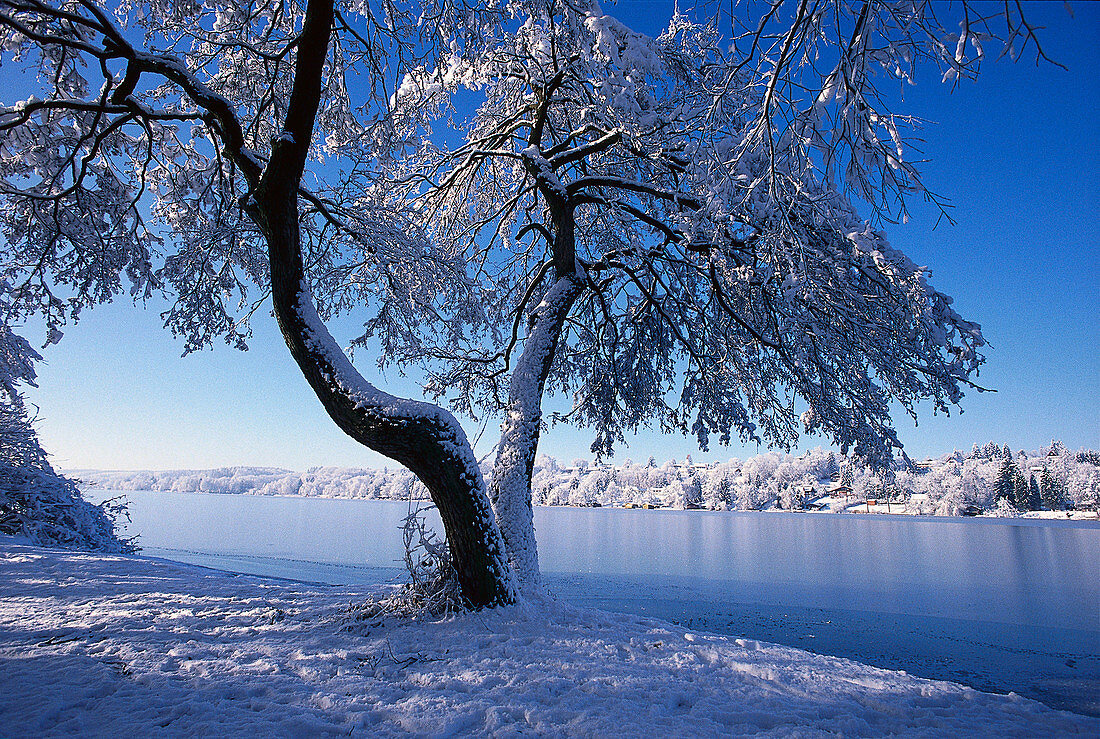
x: 991, y: 478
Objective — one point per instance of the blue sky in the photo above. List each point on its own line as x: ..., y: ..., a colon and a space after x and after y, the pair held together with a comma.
x: 1017, y: 153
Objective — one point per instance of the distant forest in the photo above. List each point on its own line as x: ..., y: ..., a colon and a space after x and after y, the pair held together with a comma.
x: 989, y: 479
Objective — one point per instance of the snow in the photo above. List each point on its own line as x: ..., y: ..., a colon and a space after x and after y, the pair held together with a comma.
x: 545, y: 172
x: 103, y: 645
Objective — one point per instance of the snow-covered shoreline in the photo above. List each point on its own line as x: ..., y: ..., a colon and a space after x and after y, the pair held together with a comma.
x: 107, y: 645
x: 1085, y: 519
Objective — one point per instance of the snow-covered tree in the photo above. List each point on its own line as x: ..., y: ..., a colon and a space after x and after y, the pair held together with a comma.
x: 692, y: 489
x: 41, y: 506
x: 36, y: 503
x: 203, y: 119
x: 1088, y: 456
x: 718, y: 485
x: 684, y: 236
x: 624, y: 217
x: 1051, y: 491
x: 592, y: 488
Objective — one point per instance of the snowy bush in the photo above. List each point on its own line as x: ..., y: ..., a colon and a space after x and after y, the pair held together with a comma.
x: 432, y: 589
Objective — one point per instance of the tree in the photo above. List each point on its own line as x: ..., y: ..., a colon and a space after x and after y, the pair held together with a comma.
x: 686, y: 242
x: 1005, y: 484
x: 693, y: 488
x: 230, y: 185
x: 1021, y: 495
x: 1051, y: 491
x: 36, y: 503
x: 847, y: 475
x: 1089, y: 456
x: 686, y: 196
x: 718, y: 486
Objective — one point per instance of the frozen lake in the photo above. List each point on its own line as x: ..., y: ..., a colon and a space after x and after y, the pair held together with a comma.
x: 1002, y: 605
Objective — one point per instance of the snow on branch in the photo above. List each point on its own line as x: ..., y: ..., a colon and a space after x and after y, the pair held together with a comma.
x: 701, y: 184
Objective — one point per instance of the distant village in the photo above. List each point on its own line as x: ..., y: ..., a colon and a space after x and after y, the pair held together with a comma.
x: 989, y: 480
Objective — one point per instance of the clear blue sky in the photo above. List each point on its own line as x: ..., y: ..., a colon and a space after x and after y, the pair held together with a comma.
x: 1017, y: 153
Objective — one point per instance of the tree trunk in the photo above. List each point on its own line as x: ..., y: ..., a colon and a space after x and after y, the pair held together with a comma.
x: 510, y: 490
x: 423, y: 437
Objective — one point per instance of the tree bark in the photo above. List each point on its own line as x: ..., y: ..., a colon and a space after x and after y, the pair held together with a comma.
x: 510, y: 490
x: 423, y: 437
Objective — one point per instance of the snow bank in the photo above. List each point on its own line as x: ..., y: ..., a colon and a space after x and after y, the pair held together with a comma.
x: 102, y: 645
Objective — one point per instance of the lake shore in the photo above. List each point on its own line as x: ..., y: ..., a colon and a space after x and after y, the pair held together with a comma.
x: 107, y: 645
x: 824, y: 505
x: 1000, y: 605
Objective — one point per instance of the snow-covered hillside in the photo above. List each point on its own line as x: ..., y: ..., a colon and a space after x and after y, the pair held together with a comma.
x: 991, y: 479
x: 102, y: 645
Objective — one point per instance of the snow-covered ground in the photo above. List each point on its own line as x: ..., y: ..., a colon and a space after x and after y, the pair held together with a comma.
x: 100, y: 645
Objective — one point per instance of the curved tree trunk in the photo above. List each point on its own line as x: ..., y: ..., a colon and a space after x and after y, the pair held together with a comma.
x: 510, y: 490
x: 423, y: 437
